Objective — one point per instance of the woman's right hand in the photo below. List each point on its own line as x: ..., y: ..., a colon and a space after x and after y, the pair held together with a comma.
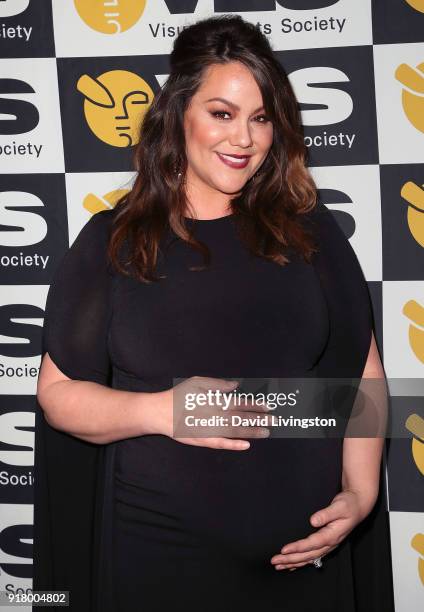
x: 221, y: 437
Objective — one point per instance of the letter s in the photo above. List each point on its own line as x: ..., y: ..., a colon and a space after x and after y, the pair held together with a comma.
x: 336, y: 105
x: 9, y: 434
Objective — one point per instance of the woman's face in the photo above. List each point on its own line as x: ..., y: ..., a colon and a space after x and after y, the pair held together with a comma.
x: 234, y: 125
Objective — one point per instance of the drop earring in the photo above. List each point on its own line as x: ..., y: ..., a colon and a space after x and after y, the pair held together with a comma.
x: 177, y: 170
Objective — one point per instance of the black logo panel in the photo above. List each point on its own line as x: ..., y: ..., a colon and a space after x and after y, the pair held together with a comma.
x: 402, y: 205
x: 34, y: 229
x: 17, y: 430
x: 405, y: 455
x: 397, y: 21
x: 28, y: 33
x: 335, y: 91
x: 102, y: 103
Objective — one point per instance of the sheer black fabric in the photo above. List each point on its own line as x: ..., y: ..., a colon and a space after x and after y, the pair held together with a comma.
x: 68, y: 471
x: 79, y: 307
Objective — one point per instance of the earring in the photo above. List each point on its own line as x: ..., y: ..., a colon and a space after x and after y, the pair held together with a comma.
x: 176, y: 169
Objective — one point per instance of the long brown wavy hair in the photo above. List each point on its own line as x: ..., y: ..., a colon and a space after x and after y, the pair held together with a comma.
x: 269, y: 207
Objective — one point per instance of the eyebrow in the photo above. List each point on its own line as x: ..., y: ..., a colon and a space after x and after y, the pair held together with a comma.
x: 231, y: 104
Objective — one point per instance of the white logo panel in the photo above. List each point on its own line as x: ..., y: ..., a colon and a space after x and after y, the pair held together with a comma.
x: 151, y: 27
x: 30, y: 124
x: 408, y: 559
x: 13, y: 432
x: 15, y: 521
x: 399, y: 86
x: 19, y: 367
x: 90, y: 192
x: 403, y: 333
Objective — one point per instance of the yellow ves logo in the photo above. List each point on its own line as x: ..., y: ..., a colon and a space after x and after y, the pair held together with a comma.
x: 413, y: 93
x: 415, y: 424
x: 415, y: 313
x: 111, y: 17
x: 112, y: 105
x: 417, y: 544
x: 414, y: 195
x: 417, y: 5
x: 95, y: 203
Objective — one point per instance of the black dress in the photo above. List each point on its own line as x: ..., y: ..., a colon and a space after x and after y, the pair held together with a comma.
x: 169, y: 524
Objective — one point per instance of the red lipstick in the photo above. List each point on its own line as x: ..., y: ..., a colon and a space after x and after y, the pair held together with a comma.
x: 234, y: 161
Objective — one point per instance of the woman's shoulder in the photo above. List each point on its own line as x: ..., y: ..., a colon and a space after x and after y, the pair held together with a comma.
x: 88, y: 251
x: 100, y: 222
x: 321, y: 222
x: 94, y: 234
x: 317, y: 215
x: 335, y: 252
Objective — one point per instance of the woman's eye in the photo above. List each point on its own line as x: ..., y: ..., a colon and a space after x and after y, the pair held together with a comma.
x: 264, y: 117
x: 218, y: 113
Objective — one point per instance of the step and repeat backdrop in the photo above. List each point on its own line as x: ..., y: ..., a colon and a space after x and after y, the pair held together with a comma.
x: 76, y: 77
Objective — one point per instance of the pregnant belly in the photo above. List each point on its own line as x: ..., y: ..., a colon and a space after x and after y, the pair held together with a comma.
x: 246, y: 504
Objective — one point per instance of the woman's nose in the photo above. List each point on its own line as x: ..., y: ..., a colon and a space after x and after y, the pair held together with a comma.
x: 240, y: 134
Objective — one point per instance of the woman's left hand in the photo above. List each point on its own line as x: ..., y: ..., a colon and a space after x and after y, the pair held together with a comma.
x: 347, y: 509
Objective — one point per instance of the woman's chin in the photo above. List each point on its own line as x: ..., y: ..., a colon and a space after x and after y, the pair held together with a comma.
x: 230, y: 187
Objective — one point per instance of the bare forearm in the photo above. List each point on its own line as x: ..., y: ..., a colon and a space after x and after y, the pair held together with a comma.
x: 365, y: 436
x: 99, y: 414
x: 362, y: 455
x: 361, y: 468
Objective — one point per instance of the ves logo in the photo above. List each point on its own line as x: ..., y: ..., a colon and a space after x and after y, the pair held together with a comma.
x: 16, y: 541
x: 416, y: 4
x: 413, y: 93
x: 111, y: 105
x: 95, y: 203
x: 111, y: 17
x: 415, y: 313
x: 414, y: 195
x: 13, y: 434
x: 20, y: 116
x: 415, y: 424
x: 417, y: 544
x: 331, y: 105
x: 242, y: 6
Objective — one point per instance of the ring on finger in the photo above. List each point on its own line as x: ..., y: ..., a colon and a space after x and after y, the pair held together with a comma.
x: 317, y: 562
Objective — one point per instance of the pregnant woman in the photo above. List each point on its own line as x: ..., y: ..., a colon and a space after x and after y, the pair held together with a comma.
x: 129, y: 516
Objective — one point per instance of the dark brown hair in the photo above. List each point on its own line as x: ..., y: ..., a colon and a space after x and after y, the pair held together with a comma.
x: 268, y: 209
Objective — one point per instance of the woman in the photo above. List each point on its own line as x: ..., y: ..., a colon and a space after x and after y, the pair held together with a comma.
x: 200, y: 523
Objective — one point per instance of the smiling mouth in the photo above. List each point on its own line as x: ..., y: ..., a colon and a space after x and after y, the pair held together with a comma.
x: 234, y: 156
x: 234, y: 161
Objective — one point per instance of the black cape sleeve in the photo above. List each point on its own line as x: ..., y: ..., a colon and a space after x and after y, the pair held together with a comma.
x: 78, y: 306
x: 345, y: 357
x: 348, y: 300
x: 67, y: 483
